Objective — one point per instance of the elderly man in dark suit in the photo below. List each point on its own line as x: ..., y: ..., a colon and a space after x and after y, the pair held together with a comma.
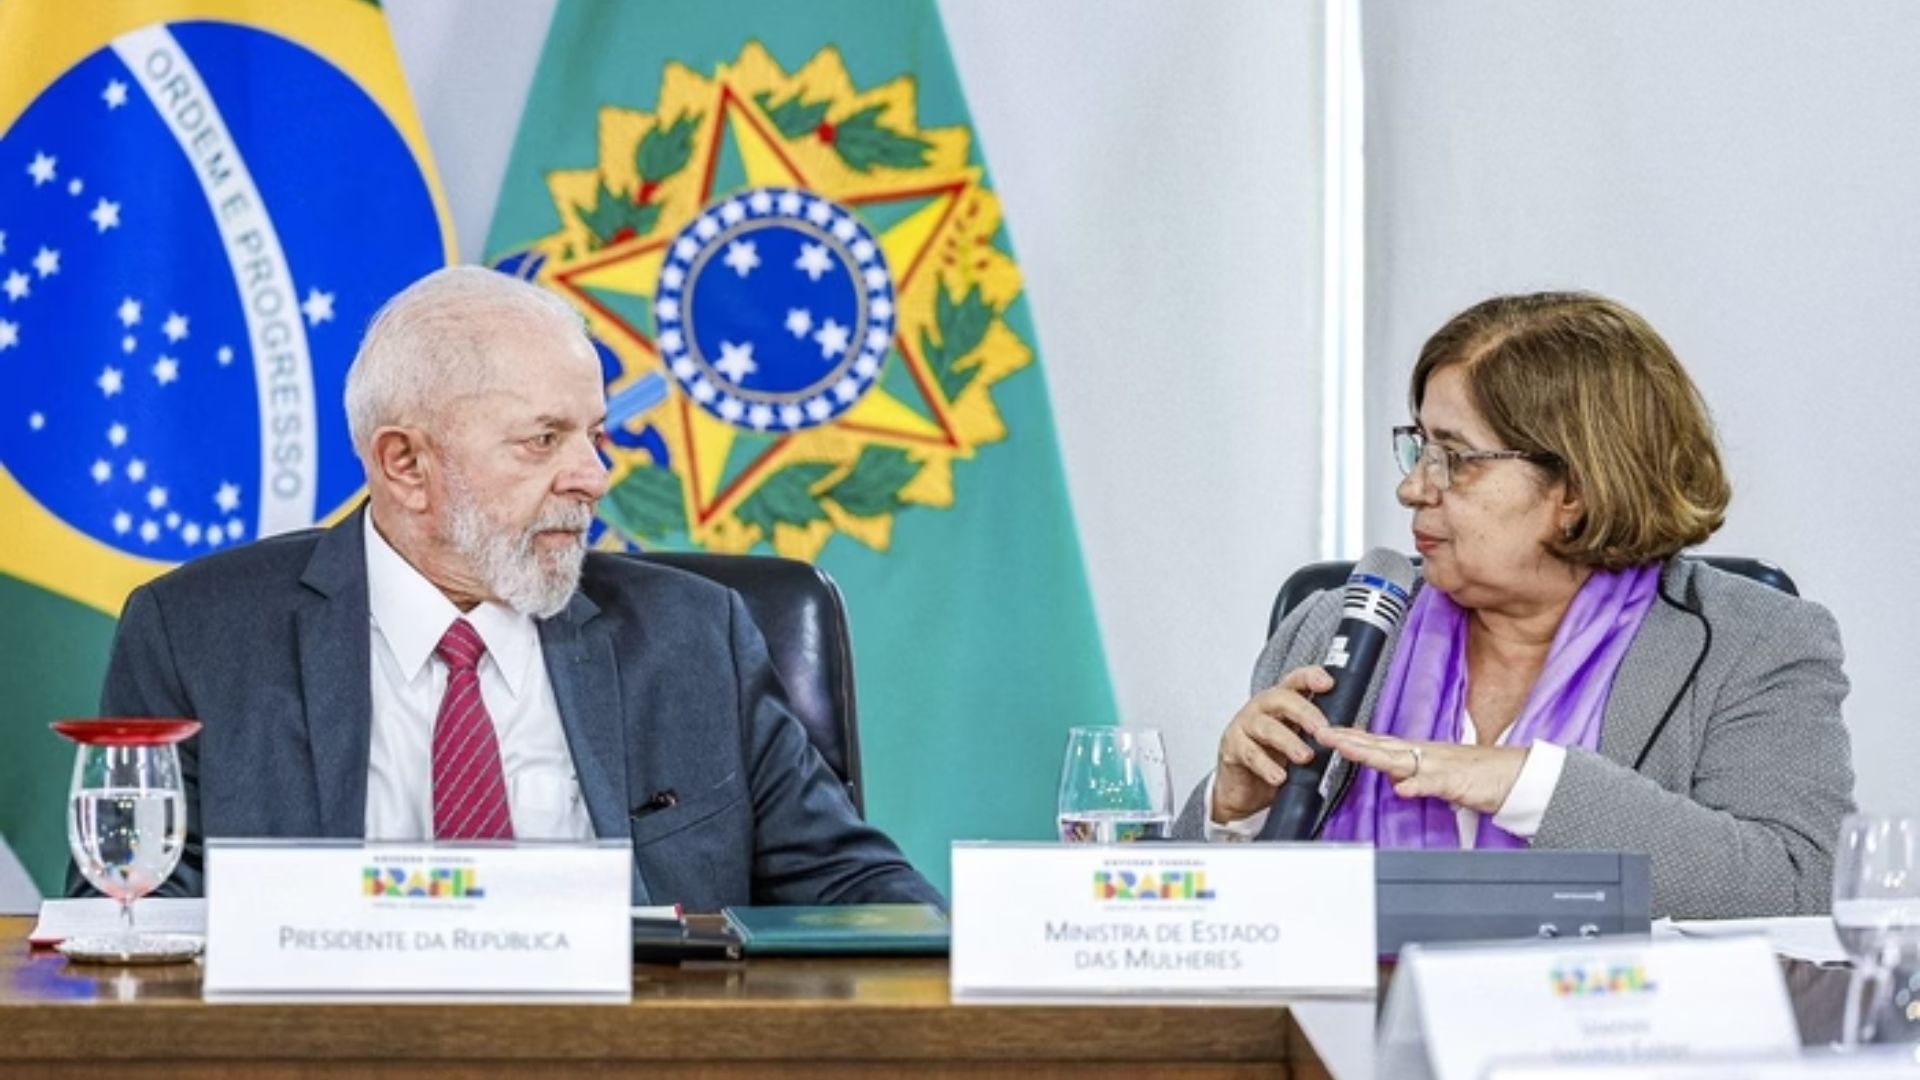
x: 450, y: 662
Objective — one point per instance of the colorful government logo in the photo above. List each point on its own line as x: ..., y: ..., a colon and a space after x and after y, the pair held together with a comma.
x: 802, y: 321
x: 1584, y: 980
x: 1126, y: 885
x: 433, y: 882
x: 198, y: 216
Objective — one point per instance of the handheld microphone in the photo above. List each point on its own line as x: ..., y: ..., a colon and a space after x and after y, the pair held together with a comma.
x: 1374, y: 602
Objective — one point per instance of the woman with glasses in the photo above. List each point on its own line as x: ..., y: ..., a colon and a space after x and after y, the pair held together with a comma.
x: 1562, y: 679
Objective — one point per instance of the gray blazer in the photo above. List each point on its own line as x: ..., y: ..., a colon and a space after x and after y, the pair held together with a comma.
x: 663, y: 683
x: 1722, y: 752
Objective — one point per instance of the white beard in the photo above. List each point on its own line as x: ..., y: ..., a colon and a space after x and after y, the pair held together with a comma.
x: 523, y: 578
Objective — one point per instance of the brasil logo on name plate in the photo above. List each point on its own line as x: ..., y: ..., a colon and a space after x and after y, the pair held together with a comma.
x: 201, y: 206
x: 799, y: 302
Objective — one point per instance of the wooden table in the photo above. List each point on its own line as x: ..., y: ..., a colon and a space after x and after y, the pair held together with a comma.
x: 806, y: 1018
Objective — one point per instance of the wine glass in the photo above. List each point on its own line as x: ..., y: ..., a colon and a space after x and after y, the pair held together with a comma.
x: 1114, y: 787
x: 1876, y: 909
x: 126, y: 823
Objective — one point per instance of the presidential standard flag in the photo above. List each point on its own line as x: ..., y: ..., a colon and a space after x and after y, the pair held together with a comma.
x: 780, y: 226
x: 201, y: 206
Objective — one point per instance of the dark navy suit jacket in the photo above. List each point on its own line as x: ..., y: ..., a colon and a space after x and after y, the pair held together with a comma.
x: 663, y: 683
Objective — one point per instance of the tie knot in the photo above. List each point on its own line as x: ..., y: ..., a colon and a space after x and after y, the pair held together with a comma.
x: 461, y: 646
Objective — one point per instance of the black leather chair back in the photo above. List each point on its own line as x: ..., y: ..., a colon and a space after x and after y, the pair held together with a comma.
x: 1315, y: 577
x: 804, y: 618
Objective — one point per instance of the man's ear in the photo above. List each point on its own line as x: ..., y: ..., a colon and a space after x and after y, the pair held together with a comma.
x: 400, y: 465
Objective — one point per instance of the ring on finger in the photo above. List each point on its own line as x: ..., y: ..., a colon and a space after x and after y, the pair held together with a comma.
x: 1415, y: 751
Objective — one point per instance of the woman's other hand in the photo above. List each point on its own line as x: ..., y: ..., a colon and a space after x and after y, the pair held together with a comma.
x: 1269, y: 733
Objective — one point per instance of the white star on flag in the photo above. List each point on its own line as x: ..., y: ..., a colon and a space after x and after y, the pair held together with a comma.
x: 122, y: 521
x: 149, y: 531
x: 156, y: 497
x: 117, y: 434
x: 109, y: 382
x: 318, y: 307
x: 166, y: 370
x: 175, y: 327
x: 136, y: 470
x: 46, y: 262
x: 115, y: 95
x: 233, y: 528
x: 128, y: 344
x: 224, y: 355
x: 191, y: 534
x: 129, y: 312
x: 813, y: 261
x: 173, y: 517
x: 9, y: 335
x: 832, y: 339
x: 18, y: 285
x: 36, y: 421
x: 736, y: 361
x: 799, y: 321
x: 102, y: 472
x: 75, y: 186
x: 228, y: 497
x: 106, y: 215
x: 41, y: 169
x: 742, y: 256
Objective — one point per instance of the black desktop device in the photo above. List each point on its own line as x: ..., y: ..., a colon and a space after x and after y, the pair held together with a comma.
x: 1439, y: 896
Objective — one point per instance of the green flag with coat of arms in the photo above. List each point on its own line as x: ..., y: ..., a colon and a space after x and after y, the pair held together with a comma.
x: 780, y: 227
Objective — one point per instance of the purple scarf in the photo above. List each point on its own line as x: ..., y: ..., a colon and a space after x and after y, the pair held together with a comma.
x: 1425, y: 693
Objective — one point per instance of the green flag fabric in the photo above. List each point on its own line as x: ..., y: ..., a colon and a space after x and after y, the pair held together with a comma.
x: 201, y: 205
x: 780, y: 226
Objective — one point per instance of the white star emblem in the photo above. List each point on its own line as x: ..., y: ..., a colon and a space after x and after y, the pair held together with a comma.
x: 813, y: 261
x: 9, y: 335
x: 799, y: 321
x: 156, y: 497
x: 166, y: 370
x: 129, y: 312
x: 18, y: 285
x: 234, y: 525
x: 832, y: 339
x: 117, y: 435
x: 106, y: 215
x: 128, y: 344
x: 760, y: 200
x: 173, y: 518
x: 109, y: 381
x: 136, y: 470
x: 176, y: 325
x: 742, y: 256
x: 819, y: 212
x: 224, y: 355
x: 122, y: 522
x: 790, y: 206
x: 732, y: 212
x: 102, y: 472
x: 36, y: 421
x: 115, y: 95
x: 318, y: 307
x: 760, y: 416
x: 736, y: 362
x: 214, y: 535
x: 149, y: 531
x: 882, y: 308
x: 46, y: 262
x: 228, y: 498
x: 41, y: 169
x: 75, y: 186
x: 191, y: 534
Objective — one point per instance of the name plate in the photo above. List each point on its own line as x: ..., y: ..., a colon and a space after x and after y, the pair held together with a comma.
x: 497, y: 922
x: 1161, y: 920
x: 1452, y: 1013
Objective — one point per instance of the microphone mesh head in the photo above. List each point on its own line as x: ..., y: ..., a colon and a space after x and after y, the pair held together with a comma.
x: 1379, y: 589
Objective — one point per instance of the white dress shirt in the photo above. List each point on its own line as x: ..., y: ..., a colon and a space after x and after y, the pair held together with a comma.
x: 1520, y: 814
x: 409, y: 615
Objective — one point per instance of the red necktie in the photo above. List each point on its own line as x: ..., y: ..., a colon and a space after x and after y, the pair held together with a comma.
x: 469, y: 790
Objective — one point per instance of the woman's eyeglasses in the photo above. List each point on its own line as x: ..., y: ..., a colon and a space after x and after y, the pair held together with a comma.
x: 1411, y: 449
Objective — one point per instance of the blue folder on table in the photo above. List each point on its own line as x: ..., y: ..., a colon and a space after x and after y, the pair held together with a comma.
x: 841, y: 929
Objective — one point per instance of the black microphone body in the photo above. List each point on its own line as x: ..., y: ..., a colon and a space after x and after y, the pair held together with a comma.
x: 1374, y: 602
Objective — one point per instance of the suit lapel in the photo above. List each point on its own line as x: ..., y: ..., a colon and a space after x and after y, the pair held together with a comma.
x: 1655, y: 671
x: 334, y: 642
x: 586, y: 686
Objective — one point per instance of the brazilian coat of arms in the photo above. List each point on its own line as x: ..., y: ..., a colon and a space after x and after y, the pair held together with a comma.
x: 799, y: 299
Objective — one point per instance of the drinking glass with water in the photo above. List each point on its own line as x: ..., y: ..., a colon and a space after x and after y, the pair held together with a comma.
x: 1876, y: 912
x: 1114, y: 787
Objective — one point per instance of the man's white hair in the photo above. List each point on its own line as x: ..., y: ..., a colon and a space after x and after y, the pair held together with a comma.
x: 428, y: 344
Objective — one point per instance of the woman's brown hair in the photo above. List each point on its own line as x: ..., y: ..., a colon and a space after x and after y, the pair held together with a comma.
x: 1591, y: 389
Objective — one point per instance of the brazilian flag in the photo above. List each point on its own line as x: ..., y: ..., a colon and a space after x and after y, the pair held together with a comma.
x: 202, y: 203
x: 779, y: 223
